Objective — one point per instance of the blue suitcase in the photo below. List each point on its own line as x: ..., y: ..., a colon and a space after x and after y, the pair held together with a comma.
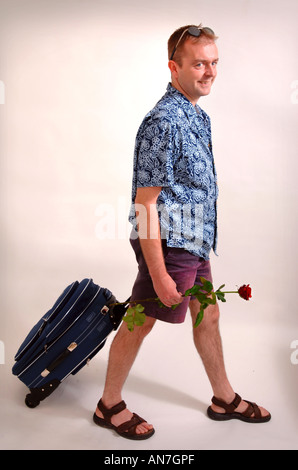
x: 66, y: 338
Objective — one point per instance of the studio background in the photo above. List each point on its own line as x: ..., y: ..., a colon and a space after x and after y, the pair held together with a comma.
x: 77, y: 78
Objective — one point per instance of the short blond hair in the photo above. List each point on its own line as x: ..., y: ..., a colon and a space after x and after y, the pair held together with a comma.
x: 206, y: 33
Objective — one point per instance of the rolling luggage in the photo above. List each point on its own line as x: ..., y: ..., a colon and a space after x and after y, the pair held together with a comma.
x: 66, y: 338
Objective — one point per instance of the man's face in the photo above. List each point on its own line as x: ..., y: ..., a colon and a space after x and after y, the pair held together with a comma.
x: 197, y: 72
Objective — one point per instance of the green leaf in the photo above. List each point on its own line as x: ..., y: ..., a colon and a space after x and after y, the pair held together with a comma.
x: 220, y: 296
x: 160, y: 304
x: 139, y: 318
x: 207, y: 285
x: 173, y: 307
x: 134, y: 317
x: 199, y: 318
x: 129, y: 322
x: 139, y: 308
x: 193, y: 291
x: 139, y: 322
x: 221, y: 287
x: 129, y: 315
x: 207, y: 301
x: 201, y: 298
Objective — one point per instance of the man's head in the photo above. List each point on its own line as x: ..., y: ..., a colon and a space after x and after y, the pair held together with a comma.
x: 193, y: 57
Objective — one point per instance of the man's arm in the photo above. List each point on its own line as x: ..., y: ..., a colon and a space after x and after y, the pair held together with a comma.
x: 148, y: 224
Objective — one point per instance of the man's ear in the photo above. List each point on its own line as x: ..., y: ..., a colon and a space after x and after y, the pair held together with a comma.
x: 173, y: 68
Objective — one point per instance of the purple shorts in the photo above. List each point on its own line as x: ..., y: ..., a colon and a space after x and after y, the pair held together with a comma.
x: 185, y: 269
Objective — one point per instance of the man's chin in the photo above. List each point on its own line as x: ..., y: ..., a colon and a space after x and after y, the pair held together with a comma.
x: 204, y: 89
x: 205, y: 92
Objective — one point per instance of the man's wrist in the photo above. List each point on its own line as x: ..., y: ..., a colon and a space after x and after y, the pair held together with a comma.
x: 158, y: 275
x: 153, y: 255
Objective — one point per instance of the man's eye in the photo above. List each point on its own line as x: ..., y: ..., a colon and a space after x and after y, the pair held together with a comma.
x: 199, y: 65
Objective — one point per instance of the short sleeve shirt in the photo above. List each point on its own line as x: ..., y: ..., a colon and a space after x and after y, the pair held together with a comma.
x: 173, y: 150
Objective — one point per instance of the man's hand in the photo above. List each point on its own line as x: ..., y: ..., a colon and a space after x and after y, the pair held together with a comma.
x: 166, y: 290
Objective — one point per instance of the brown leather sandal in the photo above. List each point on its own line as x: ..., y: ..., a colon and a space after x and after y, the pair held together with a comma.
x: 230, y: 412
x: 127, y: 429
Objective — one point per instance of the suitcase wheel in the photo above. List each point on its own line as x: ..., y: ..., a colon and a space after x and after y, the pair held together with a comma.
x: 31, y: 402
x: 33, y: 399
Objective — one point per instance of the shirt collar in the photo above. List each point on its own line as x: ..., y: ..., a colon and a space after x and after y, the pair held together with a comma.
x: 191, y: 111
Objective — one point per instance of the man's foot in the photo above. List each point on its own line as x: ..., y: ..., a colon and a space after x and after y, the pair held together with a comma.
x: 237, y: 409
x: 125, y: 423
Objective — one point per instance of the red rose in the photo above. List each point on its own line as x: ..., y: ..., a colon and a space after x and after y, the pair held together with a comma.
x: 245, y: 292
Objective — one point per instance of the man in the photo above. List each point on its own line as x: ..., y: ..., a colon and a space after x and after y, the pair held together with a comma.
x: 174, y: 216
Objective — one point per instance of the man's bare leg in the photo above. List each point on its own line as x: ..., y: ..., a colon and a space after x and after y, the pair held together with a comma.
x: 208, y: 344
x: 123, y: 352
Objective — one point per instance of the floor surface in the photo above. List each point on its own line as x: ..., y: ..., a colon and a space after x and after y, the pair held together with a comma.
x: 169, y: 388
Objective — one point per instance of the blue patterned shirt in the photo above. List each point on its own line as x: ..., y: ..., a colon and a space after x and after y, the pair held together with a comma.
x: 173, y: 150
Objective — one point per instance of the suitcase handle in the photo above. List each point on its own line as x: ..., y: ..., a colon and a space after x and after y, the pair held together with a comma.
x: 58, y: 360
x: 118, y: 311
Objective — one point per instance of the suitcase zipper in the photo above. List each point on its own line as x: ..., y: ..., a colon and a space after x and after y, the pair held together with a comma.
x: 38, y: 333
x: 56, y: 362
x: 65, y: 353
x: 48, y: 346
x: 50, y: 332
x: 86, y: 358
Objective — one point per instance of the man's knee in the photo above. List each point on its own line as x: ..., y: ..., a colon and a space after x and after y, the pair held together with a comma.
x: 139, y: 332
x: 147, y: 326
x: 211, y: 313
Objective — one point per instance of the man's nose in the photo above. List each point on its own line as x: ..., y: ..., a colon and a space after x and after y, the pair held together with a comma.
x: 210, y: 71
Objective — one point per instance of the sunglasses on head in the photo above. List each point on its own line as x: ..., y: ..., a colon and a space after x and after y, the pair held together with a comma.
x: 192, y: 31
